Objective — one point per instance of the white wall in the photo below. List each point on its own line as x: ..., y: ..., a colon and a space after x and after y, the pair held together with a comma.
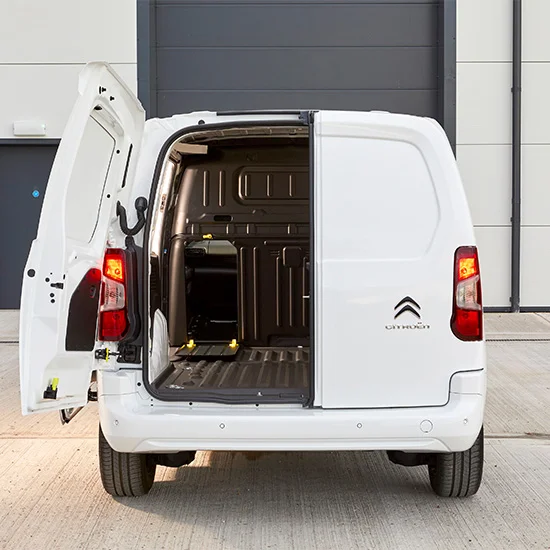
x: 43, y: 47
x: 484, y: 133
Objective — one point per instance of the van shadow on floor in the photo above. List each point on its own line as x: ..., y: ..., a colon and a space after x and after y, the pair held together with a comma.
x: 257, y: 481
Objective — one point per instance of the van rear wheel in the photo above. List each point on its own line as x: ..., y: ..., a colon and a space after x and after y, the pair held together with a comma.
x: 125, y: 474
x: 458, y: 474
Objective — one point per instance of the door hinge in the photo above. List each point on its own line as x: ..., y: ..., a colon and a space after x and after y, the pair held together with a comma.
x: 104, y: 354
x: 306, y: 116
x: 92, y: 391
x: 66, y: 415
x: 129, y: 353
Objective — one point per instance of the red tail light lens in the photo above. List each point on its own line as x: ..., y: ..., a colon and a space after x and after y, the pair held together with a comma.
x: 113, y: 318
x: 467, y: 319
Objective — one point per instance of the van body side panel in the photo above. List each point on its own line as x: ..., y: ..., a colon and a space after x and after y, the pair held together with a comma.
x: 390, y: 213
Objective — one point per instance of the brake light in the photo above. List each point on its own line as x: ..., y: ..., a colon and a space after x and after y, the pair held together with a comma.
x: 113, y: 318
x: 467, y: 319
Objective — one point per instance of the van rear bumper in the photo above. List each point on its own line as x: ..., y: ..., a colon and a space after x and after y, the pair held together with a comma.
x: 133, y: 423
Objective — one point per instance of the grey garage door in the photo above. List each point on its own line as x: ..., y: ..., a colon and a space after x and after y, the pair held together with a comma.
x: 226, y: 55
x: 24, y: 171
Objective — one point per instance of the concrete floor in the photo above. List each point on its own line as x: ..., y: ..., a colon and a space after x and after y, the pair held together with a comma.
x: 51, y: 494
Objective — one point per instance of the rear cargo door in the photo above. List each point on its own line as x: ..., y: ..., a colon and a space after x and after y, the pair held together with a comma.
x: 388, y: 216
x: 94, y: 161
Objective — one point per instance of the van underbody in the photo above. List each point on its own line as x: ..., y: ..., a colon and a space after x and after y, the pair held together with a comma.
x: 230, y: 267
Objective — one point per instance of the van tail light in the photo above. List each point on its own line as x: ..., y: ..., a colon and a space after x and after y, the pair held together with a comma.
x: 113, y: 310
x: 467, y: 319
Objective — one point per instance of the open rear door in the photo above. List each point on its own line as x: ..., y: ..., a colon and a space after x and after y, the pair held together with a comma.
x: 95, y: 156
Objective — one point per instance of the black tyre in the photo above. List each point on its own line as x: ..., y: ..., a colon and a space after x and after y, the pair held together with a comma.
x: 458, y: 474
x: 125, y: 474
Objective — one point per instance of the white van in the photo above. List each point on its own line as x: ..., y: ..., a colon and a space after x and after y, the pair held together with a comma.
x: 261, y: 281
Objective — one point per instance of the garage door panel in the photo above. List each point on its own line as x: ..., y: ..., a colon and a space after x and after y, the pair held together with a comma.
x: 419, y: 102
x: 267, y: 25
x: 297, y: 69
x: 253, y: 54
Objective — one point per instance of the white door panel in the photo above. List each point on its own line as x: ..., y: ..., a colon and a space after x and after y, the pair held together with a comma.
x: 389, y: 214
x: 382, y: 181
x: 83, y: 200
x: 87, y: 174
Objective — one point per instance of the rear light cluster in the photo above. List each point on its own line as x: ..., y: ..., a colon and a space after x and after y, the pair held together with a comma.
x: 113, y: 313
x: 467, y: 319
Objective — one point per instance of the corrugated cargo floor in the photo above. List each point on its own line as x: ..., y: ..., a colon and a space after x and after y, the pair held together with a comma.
x: 256, y: 369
